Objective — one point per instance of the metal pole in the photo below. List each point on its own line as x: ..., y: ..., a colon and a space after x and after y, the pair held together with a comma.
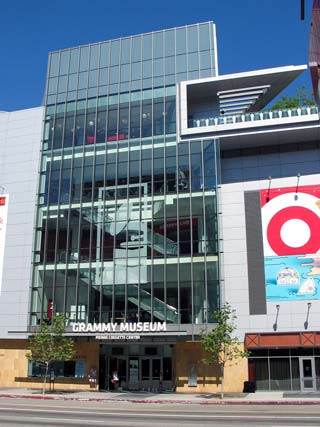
x: 302, y: 10
x: 108, y: 367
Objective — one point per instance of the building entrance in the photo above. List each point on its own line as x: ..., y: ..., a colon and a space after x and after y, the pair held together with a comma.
x: 137, y: 373
x: 116, y: 365
x: 149, y: 369
x: 307, y: 373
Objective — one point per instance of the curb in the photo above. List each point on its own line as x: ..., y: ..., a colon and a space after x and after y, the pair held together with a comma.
x: 166, y: 402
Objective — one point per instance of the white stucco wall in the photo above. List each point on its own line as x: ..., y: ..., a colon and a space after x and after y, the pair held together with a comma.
x: 20, y: 137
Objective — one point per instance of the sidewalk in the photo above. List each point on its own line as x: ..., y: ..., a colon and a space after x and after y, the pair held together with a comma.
x: 258, y: 398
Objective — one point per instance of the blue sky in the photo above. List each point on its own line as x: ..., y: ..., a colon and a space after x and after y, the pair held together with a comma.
x: 252, y: 34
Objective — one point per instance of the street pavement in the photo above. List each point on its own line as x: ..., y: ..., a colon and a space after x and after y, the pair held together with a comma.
x: 258, y: 398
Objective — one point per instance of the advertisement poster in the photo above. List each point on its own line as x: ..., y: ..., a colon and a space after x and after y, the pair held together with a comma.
x: 193, y: 376
x: 291, y: 242
x: 4, y: 199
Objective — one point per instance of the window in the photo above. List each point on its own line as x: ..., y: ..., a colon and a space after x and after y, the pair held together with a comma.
x: 150, y: 351
x: 117, y: 351
x: 70, y: 369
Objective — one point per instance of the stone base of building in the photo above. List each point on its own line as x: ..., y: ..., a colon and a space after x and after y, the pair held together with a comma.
x: 14, y: 367
x: 189, y: 373
x: 193, y: 376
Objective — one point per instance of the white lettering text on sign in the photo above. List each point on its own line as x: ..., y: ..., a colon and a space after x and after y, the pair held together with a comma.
x: 122, y: 327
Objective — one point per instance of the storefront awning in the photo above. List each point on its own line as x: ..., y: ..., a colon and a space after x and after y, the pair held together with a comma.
x: 283, y: 340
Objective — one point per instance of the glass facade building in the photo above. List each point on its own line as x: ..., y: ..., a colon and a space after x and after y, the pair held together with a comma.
x: 127, y: 241
x: 126, y: 218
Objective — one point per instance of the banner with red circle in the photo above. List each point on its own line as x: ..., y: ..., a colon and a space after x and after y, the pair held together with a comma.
x: 291, y: 220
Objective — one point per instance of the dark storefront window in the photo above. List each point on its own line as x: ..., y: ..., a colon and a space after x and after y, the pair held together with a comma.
x: 70, y: 368
x: 280, y: 374
x: 280, y: 369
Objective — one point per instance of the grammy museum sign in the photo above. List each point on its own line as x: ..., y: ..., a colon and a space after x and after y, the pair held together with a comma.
x: 124, y: 327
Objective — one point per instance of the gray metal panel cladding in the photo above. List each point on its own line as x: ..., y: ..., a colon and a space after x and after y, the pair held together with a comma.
x: 255, y: 256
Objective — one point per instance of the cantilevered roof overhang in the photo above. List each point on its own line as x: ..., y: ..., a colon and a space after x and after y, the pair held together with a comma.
x: 203, y: 103
x: 266, y: 83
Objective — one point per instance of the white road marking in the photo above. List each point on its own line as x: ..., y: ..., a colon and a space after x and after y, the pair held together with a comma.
x: 191, y: 416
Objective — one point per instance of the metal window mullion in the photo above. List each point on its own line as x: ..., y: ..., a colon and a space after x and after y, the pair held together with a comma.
x: 213, y: 49
x: 68, y: 234
x: 191, y: 239
x: 178, y: 228
x: 69, y: 203
x: 140, y: 223
x: 210, y: 47
x: 70, y: 192
x: 164, y: 204
x: 152, y: 235
x: 65, y: 109
x: 165, y: 269
x: 164, y: 272
x: 290, y: 367
x: 107, y: 104
x: 126, y: 293
x: 152, y: 183
x: 128, y: 184
x: 115, y: 264
x: 114, y: 257
x: 117, y: 167
x: 79, y: 235
x: 68, y: 245
x: 218, y: 232
x: 127, y: 237
x: 98, y: 262
x: 48, y: 76
x: 126, y: 296
x: 80, y: 198
x: 44, y: 261
x: 204, y: 236
x: 59, y: 194
x: 44, y: 237
x: 141, y: 207
x: 140, y: 168
x: 56, y: 248
x: 269, y: 372
x: 92, y: 194
x: 68, y: 226
x: 101, y: 215
x: 49, y: 187
x: 129, y: 95
x: 198, y: 51
x: 187, y: 53
x: 175, y: 56
x: 103, y: 195
x: 104, y: 198
x: 93, y: 168
x: 177, y: 184
x: 118, y: 106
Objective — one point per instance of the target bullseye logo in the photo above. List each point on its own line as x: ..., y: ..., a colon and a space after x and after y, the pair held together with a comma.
x: 279, y: 241
x: 291, y: 225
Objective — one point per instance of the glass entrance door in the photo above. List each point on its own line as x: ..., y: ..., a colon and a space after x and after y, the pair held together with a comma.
x: 307, y: 374
x: 151, y: 374
x: 119, y: 365
x: 134, y: 373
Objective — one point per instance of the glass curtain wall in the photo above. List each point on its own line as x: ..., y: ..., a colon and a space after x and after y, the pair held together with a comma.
x: 126, y: 225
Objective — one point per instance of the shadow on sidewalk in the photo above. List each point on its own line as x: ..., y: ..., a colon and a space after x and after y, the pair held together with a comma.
x: 226, y: 396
